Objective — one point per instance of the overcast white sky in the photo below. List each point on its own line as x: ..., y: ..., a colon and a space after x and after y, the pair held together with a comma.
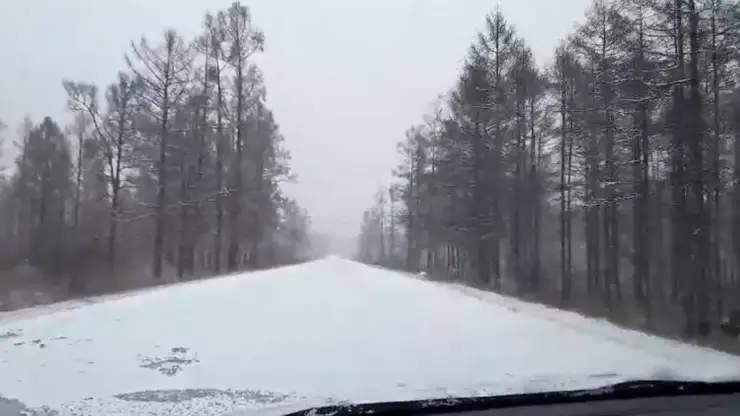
x: 345, y: 78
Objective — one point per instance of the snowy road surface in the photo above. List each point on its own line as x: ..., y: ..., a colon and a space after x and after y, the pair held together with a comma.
x: 331, y: 330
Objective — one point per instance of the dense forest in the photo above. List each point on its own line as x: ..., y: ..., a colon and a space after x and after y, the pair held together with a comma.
x: 605, y: 181
x: 171, y: 172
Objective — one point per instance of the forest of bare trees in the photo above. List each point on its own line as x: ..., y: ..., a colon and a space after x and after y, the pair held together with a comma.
x: 605, y: 181
x: 171, y: 172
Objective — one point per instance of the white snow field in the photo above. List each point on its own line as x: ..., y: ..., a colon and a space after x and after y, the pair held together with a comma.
x: 332, y: 330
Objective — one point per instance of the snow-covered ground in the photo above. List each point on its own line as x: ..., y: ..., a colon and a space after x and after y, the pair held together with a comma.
x: 327, y: 331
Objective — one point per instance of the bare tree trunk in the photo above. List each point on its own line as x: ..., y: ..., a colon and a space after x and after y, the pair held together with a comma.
x: 218, y: 236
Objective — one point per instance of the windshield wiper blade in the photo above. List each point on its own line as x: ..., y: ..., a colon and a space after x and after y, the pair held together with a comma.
x: 620, y: 391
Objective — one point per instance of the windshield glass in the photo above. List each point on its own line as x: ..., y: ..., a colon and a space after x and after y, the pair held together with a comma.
x: 250, y: 205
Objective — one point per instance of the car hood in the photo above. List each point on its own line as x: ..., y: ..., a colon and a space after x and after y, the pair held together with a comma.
x: 232, y: 402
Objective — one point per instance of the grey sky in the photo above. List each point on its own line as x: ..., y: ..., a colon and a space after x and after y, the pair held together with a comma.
x: 345, y: 78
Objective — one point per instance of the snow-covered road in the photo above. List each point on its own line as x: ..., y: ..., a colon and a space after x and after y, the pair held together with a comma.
x: 330, y: 330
